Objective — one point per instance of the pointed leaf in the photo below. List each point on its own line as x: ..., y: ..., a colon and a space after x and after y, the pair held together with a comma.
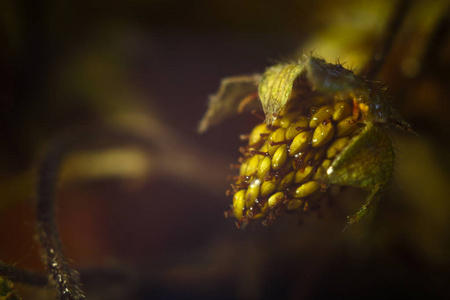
x: 275, y: 88
x: 226, y: 102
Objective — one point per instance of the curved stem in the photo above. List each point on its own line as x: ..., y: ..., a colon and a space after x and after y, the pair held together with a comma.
x: 189, y: 162
x: 66, y: 278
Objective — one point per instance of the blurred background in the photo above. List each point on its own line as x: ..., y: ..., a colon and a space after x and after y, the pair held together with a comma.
x: 144, y: 219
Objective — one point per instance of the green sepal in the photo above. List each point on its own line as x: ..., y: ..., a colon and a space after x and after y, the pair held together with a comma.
x: 334, y: 78
x: 367, y: 160
x: 225, y: 102
x: 275, y: 88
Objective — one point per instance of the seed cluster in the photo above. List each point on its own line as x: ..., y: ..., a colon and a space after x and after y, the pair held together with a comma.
x: 284, y: 164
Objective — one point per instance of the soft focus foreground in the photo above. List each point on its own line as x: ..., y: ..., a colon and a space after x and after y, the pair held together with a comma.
x: 143, y: 219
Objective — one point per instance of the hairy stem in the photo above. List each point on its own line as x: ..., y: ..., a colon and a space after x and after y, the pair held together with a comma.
x: 66, y: 278
x: 189, y: 161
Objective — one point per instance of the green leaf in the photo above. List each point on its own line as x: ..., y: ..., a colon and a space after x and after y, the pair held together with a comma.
x: 275, y: 88
x: 226, y: 102
x: 367, y: 160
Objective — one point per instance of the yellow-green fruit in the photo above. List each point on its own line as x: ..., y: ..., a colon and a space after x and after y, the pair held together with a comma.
x: 306, y: 189
x: 288, y: 119
x: 268, y: 187
x: 286, y: 162
x: 323, y: 134
x: 309, y: 158
x: 252, y: 192
x: 321, y: 114
x: 346, y: 127
x: 337, y: 146
x: 265, y: 147
x: 252, y: 166
x: 303, y: 175
x: 279, y: 157
x: 321, y: 128
x: 243, y: 168
x: 319, y: 154
x: 275, y: 140
x: 341, y: 110
x: 300, y: 142
x: 294, y: 204
x: 322, y: 169
x: 286, y: 181
x: 262, y: 212
x: 264, y: 167
x: 255, y: 136
x: 275, y: 199
x: 238, y: 204
x: 319, y: 173
x: 326, y: 163
x: 295, y: 128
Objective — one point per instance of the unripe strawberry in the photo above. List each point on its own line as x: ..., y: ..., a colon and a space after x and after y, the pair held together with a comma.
x: 324, y: 126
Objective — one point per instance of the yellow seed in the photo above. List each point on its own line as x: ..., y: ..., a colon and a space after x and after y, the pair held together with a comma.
x: 243, y: 168
x: 287, y: 120
x: 326, y: 163
x: 303, y: 159
x: 255, y: 136
x: 262, y: 213
x: 252, y: 192
x: 319, y: 154
x: 264, y: 167
x: 303, y: 175
x: 268, y: 187
x: 276, y: 122
x: 279, y: 157
x: 252, y: 166
x: 275, y: 199
x: 306, y: 189
x: 286, y: 181
x: 337, y: 146
x: 319, y: 173
x: 346, y: 127
x: 341, y: 110
x: 294, y: 204
x: 321, y: 114
x: 276, y: 137
x: 238, y: 204
x: 296, y: 127
x: 309, y: 158
x: 322, y: 135
x: 265, y: 147
x: 300, y: 142
x: 322, y: 169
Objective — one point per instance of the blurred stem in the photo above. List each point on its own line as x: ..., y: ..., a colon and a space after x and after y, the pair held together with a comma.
x: 66, y: 278
x: 387, y: 39
x: 434, y: 49
x: 176, y: 158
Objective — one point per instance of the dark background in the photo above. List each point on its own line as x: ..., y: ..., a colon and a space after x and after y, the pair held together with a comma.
x: 144, y: 220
